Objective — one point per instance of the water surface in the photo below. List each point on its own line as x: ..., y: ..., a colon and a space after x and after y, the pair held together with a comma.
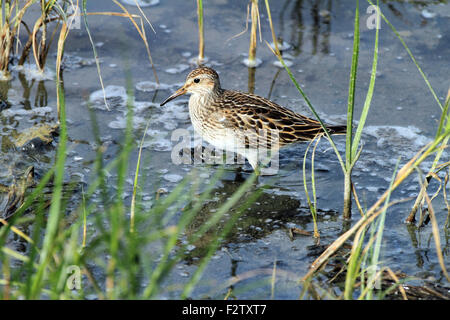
x: 319, y: 40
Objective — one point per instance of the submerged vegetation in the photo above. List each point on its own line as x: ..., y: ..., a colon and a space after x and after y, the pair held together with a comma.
x: 104, y: 240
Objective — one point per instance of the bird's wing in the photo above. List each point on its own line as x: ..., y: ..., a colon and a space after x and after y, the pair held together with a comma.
x: 245, y: 110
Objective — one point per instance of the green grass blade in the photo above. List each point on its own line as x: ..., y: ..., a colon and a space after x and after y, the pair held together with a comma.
x: 351, y: 90
x: 201, y: 42
x: 367, y: 102
x: 310, y: 106
x: 55, y: 208
x: 377, y: 245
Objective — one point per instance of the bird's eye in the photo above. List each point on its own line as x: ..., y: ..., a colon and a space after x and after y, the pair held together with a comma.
x: 196, y: 80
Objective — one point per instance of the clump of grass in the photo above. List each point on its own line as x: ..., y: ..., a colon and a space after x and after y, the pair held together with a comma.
x: 352, y: 154
x: 374, y: 210
x: 11, y: 17
x: 358, y: 257
x: 40, y: 39
x: 435, y: 168
x: 119, y: 250
x: 101, y: 233
x: 352, y: 141
x: 41, y: 45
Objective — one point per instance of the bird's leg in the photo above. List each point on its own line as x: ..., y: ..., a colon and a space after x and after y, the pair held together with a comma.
x: 239, y: 177
x: 253, y: 160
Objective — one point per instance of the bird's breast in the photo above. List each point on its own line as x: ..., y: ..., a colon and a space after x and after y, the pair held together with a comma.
x: 210, y: 123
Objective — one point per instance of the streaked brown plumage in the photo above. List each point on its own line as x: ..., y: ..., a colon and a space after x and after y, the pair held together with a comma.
x: 237, y: 121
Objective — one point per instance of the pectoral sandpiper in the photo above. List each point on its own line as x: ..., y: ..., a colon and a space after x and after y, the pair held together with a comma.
x: 237, y: 121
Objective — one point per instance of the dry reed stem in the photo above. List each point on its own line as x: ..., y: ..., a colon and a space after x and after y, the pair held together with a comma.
x: 273, y: 280
x: 316, y: 230
x: 437, y: 239
x: 420, y: 198
x: 246, y: 26
x: 133, y: 198
x: 434, y: 175
x: 447, y: 221
x: 358, y: 204
x: 397, y: 281
x: 371, y: 283
x: 60, y: 51
x: 142, y: 35
x: 252, y: 48
x: 263, y: 271
x: 145, y: 17
x: 91, y: 278
x: 274, y: 38
x: 201, y: 33
x: 40, y: 51
x: 17, y: 231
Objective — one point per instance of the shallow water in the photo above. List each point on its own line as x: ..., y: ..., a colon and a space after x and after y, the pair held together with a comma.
x: 318, y: 43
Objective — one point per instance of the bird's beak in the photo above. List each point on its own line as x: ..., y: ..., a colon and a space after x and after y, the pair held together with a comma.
x: 176, y: 94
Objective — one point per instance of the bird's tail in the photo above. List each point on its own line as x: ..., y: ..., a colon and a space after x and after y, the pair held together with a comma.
x: 337, y: 129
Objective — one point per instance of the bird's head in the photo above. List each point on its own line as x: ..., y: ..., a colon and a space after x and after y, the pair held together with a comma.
x: 202, y: 80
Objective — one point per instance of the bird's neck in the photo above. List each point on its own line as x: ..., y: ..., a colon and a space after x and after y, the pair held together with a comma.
x: 204, y: 100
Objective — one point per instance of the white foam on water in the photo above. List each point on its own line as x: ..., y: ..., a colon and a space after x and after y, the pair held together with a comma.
x: 156, y: 134
x: 148, y: 86
x: 141, y: 3
x: 177, y: 110
x: 252, y: 63
x: 427, y: 14
x: 121, y: 123
x: 282, y: 46
x: 393, y: 143
x: 140, y: 106
x: 118, y: 93
x: 171, y: 114
x: 372, y: 189
x: 13, y: 97
x: 40, y: 112
x: 278, y: 64
x: 194, y: 60
x: 72, y: 62
x: 397, y: 136
x: 171, y: 177
x: 177, y: 69
x: 110, y: 91
x: 116, y: 98
x: 158, y: 145
x: 31, y: 72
